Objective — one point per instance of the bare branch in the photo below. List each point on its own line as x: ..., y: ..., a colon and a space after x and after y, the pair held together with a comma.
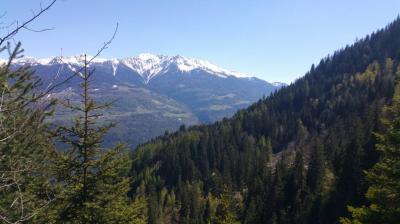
x: 76, y: 73
x: 38, y: 31
x: 105, y: 45
x: 24, y: 24
x: 3, y: 15
x: 8, y: 26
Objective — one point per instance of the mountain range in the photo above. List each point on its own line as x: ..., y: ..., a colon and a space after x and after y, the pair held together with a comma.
x: 152, y: 94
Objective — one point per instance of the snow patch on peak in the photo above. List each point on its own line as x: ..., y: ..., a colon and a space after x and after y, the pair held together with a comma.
x: 80, y: 59
x: 146, y: 65
x: 114, y: 66
x: 71, y: 60
x: 190, y: 64
x: 149, y: 65
x: 149, y: 57
x: 32, y: 61
x: 279, y: 84
x: 74, y: 60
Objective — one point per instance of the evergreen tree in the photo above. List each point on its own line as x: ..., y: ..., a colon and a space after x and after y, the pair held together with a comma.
x: 295, y: 188
x: 226, y: 213
x: 24, y: 146
x: 348, y: 184
x: 92, y: 182
x: 384, y: 177
x: 316, y: 168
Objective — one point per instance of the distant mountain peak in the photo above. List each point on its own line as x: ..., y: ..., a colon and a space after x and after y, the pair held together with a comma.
x: 149, y: 57
x: 151, y: 65
x: 147, y: 65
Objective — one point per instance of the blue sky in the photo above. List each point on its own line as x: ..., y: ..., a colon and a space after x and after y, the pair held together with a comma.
x: 276, y: 40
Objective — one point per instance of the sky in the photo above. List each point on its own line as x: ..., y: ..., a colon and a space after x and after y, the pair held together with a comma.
x: 276, y: 40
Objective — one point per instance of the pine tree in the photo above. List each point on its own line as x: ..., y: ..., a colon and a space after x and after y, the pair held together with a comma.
x: 314, y: 180
x: 316, y: 168
x: 24, y: 146
x: 266, y: 149
x: 225, y: 211
x: 384, y: 177
x: 348, y: 184
x: 92, y: 181
x: 295, y: 188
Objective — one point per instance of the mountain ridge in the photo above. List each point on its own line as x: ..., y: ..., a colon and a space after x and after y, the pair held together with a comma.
x: 154, y: 93
x: 147, y: 65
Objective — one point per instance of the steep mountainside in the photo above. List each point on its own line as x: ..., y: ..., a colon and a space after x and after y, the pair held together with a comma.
x: 296, y: 156
x: 153, y: 93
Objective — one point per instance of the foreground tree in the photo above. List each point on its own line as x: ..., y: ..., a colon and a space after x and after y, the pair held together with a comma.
x: 24, y: 147
x: 92, y: 182
x: 384, y: 177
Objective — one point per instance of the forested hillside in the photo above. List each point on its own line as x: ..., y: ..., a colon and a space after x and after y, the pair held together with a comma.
x: 296, y: 156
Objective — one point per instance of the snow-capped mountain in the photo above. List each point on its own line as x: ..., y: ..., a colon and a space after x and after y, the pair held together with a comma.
x: 154, y: 93
x: 148, y: 66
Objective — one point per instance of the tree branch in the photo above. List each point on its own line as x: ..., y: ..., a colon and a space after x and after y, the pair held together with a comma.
x: 76, y: 73
x: 24, y: 24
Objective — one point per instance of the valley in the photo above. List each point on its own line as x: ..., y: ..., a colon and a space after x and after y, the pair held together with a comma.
x: 153, y: 94
x: 121, y: 136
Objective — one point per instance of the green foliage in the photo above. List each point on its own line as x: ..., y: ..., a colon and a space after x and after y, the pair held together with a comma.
x: 384, y: 177
x: 91, y: 182
x: 296, y: 156
x: 24, y: 147
x: 227, y: 210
